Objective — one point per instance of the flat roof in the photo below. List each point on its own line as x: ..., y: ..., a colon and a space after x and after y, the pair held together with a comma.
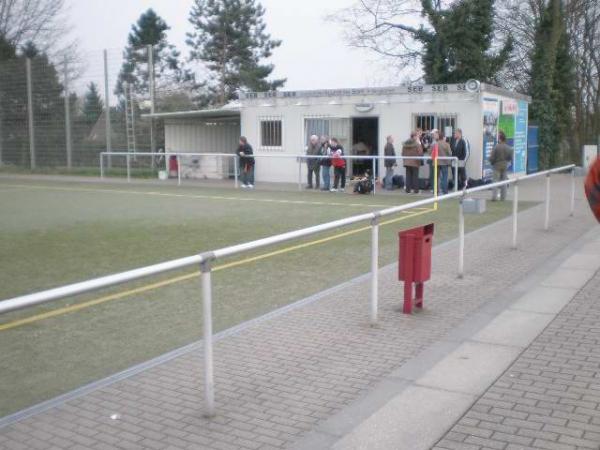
x: 212, y: 113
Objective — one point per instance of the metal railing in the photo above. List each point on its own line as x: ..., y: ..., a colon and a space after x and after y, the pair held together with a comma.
x: 206, y: 260
x: 299, y: 159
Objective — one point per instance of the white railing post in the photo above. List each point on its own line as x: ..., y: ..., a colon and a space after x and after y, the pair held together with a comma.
x: 374, y: 268
x: 455, y: 161
x: 178, y: 169
x: 515, y: 214
x: 299, y: 174
x: 547, y: 210
x: 572, y: 192
x: 101, y: 165
x: 128, y: 169
x: 373, y: 176
x: 235, y: 171
x: 461, y: 239
x: 209, y: 382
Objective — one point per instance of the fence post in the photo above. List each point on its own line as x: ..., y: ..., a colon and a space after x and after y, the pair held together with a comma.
x: 547, y: 211
x: 515, y: 214
x: 1, y: 130
x: 107, y: 111
x: 209, y: 382
x: 374, y: 267
x: 572, y: 192
x: 67, y: 115
x: 30, y: 115
x: 128, y: 168
x: 461, y: 239
x: 178, y: 170
x: 101, y: 165
x: 235, y: 171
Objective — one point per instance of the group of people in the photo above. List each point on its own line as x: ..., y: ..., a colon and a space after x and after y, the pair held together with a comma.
x: 325, y: 153
x: 433, y: 145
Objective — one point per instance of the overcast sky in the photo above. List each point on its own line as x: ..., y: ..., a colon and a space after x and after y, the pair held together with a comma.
x: 313, y: 54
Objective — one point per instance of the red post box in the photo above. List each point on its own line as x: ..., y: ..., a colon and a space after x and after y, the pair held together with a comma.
x: 414, y: 263
x: 173, y: 166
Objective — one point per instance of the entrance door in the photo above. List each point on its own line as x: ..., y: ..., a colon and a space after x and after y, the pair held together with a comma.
x: 365, y: 142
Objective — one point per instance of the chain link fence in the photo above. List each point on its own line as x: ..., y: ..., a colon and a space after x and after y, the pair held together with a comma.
x: 59, y: 116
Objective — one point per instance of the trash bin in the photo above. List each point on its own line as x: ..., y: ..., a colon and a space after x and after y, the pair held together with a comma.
x: 173, y: 167
x: 414, y: 263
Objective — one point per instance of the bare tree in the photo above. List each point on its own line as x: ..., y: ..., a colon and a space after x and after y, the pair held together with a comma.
x: 386, y: 27
x: 42, y: 22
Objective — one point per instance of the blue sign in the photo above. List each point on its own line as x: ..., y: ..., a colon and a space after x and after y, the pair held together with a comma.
x: 520, y: 144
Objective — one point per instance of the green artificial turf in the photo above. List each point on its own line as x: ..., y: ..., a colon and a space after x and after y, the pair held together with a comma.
x: 53, y: 233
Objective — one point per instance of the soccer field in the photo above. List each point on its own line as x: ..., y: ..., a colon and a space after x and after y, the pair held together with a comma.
x: 58, y: 232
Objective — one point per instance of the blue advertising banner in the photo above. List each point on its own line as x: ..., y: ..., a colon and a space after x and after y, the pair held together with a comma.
x: 520, y: 144
x: 491, y: 114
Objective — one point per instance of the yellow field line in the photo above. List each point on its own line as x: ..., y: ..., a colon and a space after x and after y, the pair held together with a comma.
x: 178, y: 279
x: 195, y: 196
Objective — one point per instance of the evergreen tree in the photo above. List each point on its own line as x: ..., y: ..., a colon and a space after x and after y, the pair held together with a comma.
x: 229, y: 37
x: 92, y: 105
x: 150, y: 29
x: 552, y: 83
x: 457, y: 46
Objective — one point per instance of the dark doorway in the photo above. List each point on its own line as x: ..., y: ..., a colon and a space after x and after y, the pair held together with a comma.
x: 365, y: 142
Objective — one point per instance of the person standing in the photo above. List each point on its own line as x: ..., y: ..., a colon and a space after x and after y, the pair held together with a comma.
x: 592, y: 188
x: 443, y: 151
x: 325, y: 163
x: 460, y: 149
x: 339, y: 165
x: 247, y: 162
x: 412, y: 148
x: 500, y: 159
x: 389, y: 151
x: 313, y: 164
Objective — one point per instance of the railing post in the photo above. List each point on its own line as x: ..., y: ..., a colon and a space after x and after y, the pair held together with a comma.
x: 374, y: 268
x: 209, y: 382
x: 101, y: 165
x: 373, y: 175
x: 235, y: 171
x: 30, y: 115
x: 515, y: 214
x: 461, y: 239
x: 128, y: 169
x: 572, y: 192
x: 300, y: 174
x: 178, y: 169
x: 456, y: 175
x: 547, y: 209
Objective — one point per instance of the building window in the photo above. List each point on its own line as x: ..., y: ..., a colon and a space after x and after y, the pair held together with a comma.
x: 443, y: 122
x: 271, y: 133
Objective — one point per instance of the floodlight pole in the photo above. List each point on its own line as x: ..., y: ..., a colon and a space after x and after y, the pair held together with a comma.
x: 67, y: 115
x: 461, y: 238
x: 547, y: 202
x: 107, y: 111
x: 515, y: 215
x: 374, y: 268
x: 209, y: 382
x: 30, y: 115
x: 151, y: 84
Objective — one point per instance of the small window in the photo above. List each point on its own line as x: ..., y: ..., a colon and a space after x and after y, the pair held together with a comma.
x: 271, y: 133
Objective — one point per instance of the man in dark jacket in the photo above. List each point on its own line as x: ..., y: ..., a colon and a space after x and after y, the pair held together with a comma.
x: 389, y: 164
x: 460, y: 149
x: 313, y: 164
x: 245, y: 153
x: 325, y: 163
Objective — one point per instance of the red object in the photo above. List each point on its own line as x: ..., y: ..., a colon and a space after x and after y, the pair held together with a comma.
x: 414, y: 263
x: 338, y: 161
x: 592, y: 188
x: 435, y: 152
x: 173, y: 166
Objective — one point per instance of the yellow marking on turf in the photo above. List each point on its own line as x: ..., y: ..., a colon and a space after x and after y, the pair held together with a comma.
x: 178, y: 279
x: 196, y: 196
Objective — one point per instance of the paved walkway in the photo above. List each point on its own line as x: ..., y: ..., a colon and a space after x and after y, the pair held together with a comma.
x: 280, y: 379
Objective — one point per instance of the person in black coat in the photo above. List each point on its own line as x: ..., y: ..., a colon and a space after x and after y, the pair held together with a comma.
x: 460, y: 149
x: 247, y: 163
